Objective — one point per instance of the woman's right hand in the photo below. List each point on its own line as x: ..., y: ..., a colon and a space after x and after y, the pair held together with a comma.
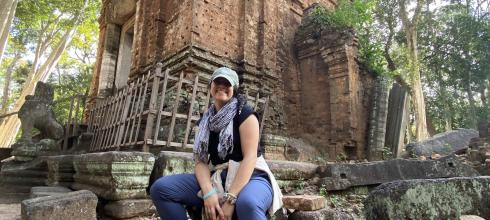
x: 213, y: 208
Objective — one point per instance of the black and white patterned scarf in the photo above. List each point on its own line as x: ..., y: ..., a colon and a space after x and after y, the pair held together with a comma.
x: 222, y: 122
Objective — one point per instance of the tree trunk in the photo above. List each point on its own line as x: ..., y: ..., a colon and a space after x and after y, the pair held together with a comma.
x: 7, y: 12
x: 472, y: 113
x: 11, y: 125
x: 417, y: 94
x: 483, y: 95
x: 410, y: 29
x: 6, y: 87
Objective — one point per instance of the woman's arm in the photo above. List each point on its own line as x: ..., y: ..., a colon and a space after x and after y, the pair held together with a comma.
x: 203, y: 177
x: 249, y: 139
x: 211, y: 204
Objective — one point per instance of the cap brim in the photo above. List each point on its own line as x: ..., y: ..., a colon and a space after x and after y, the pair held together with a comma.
x: 223, y: 76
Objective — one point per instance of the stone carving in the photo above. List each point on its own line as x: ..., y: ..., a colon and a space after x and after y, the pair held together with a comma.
x: 37, y: 112
x: 430, y: 199
x: 114, y: 175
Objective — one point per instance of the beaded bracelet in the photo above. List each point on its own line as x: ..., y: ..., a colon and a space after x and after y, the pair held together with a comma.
x: 209, y: 194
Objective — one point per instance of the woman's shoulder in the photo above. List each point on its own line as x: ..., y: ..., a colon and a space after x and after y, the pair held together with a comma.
x: 245, y: 112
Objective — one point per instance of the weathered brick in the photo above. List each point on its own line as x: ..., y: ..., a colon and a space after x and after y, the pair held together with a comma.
x: 304, y: 202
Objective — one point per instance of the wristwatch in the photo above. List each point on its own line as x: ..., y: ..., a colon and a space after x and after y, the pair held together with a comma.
x: 229, y: 197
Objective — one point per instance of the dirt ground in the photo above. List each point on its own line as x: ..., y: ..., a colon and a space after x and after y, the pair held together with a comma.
x: 10, y: 206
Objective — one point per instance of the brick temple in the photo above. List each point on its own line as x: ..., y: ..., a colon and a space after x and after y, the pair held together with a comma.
x: 318, y: 90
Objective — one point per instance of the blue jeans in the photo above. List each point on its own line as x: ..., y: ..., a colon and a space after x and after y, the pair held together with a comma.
x: 171, y: 193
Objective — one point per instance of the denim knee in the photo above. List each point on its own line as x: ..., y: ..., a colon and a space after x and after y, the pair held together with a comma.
x: 157, y: 188
x: 247, y: 203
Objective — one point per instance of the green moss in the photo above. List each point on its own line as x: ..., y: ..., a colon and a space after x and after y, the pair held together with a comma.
x: 430, y: 201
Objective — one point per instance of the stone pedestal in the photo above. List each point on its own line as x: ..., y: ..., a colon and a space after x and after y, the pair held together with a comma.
x: 114, y: 175
x: 26, y: 150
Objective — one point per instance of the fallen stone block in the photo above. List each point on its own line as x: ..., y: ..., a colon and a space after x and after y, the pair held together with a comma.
x: 60, y: 170
x: 304, y: 202
x: 79, y: 205
x: 430, y: 199
x: 325, y: 213
x: 40, y: 191
x: 130, y: 208
x: 114, y: 175
x: 343, y: 176
x: 289, y: 170
x: 443, y: 143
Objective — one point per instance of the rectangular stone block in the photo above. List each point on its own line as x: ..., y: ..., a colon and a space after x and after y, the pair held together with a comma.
x: 119, y: 162
x: 79, y: 205
x: 175, y: 163
x: 114, y: 175
x: 289, y: 170
x: 304, y: 202
x: 130, y: 208
x: 372, y: 173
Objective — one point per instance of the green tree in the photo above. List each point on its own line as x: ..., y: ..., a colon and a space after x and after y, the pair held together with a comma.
x: 48, y: 26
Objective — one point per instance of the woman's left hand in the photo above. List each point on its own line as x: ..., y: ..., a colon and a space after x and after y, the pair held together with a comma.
x: 228, y: 210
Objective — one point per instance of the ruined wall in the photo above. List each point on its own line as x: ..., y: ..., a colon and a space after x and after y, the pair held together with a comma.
x: 335, y: 91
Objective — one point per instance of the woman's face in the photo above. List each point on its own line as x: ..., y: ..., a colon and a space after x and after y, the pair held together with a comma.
x: 221, y: 90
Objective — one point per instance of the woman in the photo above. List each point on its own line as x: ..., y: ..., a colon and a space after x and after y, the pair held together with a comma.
x: 237, y: 184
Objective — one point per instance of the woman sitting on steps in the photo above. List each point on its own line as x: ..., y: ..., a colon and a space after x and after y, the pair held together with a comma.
x: 237, y: 184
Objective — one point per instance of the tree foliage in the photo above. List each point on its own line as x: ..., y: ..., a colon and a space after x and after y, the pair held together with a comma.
x: 43, y: 27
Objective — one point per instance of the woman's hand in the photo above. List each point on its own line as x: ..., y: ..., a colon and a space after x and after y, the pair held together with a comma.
x: 228, y: 210
x: 212, y: 208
